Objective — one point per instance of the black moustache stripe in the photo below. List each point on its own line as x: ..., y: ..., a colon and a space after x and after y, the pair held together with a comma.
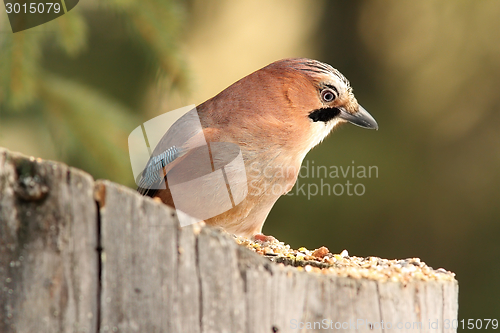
x: 324, y: 114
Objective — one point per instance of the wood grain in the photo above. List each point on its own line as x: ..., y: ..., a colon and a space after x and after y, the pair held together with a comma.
x: 84, y: 256
x: 48, y: 258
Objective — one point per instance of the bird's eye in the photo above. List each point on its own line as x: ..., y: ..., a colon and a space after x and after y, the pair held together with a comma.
x: 327, y: 95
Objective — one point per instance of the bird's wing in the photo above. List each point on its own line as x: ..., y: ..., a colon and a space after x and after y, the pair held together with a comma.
x: 167, y: 156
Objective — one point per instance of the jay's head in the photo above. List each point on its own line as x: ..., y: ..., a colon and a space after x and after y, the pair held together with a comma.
x: 294, y: 102
x: 335, y: 101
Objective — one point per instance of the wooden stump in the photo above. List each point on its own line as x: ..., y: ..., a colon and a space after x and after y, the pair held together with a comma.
x: 84, y: 256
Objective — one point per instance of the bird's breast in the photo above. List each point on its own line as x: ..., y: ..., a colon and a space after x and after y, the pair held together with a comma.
x: 271, y: 176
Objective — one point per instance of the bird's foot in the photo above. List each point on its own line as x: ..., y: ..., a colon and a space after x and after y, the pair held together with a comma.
x: 263, y: 238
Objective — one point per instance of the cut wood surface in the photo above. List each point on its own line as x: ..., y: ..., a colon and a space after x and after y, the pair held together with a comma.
x: 78, y: 255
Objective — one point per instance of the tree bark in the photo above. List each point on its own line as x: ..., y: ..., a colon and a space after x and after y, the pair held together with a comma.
x: 78, y: 255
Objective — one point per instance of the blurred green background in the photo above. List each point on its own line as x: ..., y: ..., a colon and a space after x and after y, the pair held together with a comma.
x: 429, y: 72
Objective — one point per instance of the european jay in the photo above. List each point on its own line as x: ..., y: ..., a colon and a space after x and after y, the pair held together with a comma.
x: 275, y: 116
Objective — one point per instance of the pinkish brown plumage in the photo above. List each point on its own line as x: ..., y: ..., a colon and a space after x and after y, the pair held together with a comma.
x: 275, y: 116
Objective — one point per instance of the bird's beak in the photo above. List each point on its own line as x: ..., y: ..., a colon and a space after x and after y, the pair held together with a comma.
x: 361, y: 118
